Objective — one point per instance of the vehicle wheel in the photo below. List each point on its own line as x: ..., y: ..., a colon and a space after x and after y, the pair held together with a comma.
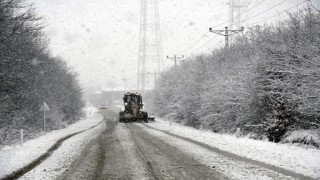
x: 146, y: 118
x: 121, y: 117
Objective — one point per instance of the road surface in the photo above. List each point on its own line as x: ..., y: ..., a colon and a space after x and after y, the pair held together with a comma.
x: 137, y: 151
x: 126, y: 151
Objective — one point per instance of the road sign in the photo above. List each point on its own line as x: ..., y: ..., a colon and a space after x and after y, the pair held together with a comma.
x: 44, y: 107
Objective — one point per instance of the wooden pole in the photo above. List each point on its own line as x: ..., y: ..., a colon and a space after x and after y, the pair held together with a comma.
x: 44, y: 118
x: 21, y: 136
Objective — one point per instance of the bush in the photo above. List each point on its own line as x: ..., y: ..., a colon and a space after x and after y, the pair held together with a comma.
x: 306, y: 137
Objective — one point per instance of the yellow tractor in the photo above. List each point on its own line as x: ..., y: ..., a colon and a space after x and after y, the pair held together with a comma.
x: 133, y: 109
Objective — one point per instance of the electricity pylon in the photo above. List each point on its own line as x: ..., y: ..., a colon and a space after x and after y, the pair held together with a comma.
x: 150, y: 49
x: 235, y: 14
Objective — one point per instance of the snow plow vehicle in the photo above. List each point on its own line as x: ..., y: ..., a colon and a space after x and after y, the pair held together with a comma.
x: 133, y: 109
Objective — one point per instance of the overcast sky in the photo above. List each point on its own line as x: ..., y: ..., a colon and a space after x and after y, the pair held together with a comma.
x: 99, y: 39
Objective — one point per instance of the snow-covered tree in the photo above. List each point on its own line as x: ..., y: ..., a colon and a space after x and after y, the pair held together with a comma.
x: 267, y: 82
x: 29, y: 75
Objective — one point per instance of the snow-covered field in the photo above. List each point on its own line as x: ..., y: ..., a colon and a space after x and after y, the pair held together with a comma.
x: 298, y: 159
x: 15, y: 157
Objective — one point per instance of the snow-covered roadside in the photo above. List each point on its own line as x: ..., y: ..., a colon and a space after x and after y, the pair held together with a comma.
x: 62, y: 159
x: 18, y: 156
x: 298, y: 159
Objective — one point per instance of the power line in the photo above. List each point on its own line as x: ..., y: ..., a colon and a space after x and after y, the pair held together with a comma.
x: 277, y: 14
x: 264, y: 11
x: 202, y: 45
x: 228, y: 21
x: 240, y: 14
x: 194, y: 43
x: 252, y: 7
x: 215, y: 27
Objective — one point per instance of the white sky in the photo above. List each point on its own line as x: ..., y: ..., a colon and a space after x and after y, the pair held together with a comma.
x: 100, y: 38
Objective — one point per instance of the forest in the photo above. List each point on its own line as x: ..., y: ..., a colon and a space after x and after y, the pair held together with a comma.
x: 31, y: 75
x: 267, y: 83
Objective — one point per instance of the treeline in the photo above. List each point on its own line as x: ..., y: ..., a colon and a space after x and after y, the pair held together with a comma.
x: 267, y: 82
x: 29, y: 76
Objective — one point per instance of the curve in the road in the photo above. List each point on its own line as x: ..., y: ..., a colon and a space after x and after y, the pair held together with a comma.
x: 20, y: 172
x: 236, y: 157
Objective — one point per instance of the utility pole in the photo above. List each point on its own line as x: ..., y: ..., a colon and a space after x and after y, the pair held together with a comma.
x: 226, y: 33
x: 175, y: 58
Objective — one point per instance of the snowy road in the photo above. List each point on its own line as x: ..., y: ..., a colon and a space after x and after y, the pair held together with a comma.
x: 126, y: 151
x: 140, y: 151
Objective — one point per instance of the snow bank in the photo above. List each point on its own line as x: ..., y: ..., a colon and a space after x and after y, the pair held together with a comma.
x: 15, y: 157
x: 302, y: 160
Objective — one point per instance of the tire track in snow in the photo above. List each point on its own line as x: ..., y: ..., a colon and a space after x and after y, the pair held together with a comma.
x: 165, y: 161
x: 143, y: 156
x: 89, y: 161
x: 236, y: 157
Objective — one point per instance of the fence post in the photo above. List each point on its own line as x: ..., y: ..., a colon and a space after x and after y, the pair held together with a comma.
x: 21, y: 136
